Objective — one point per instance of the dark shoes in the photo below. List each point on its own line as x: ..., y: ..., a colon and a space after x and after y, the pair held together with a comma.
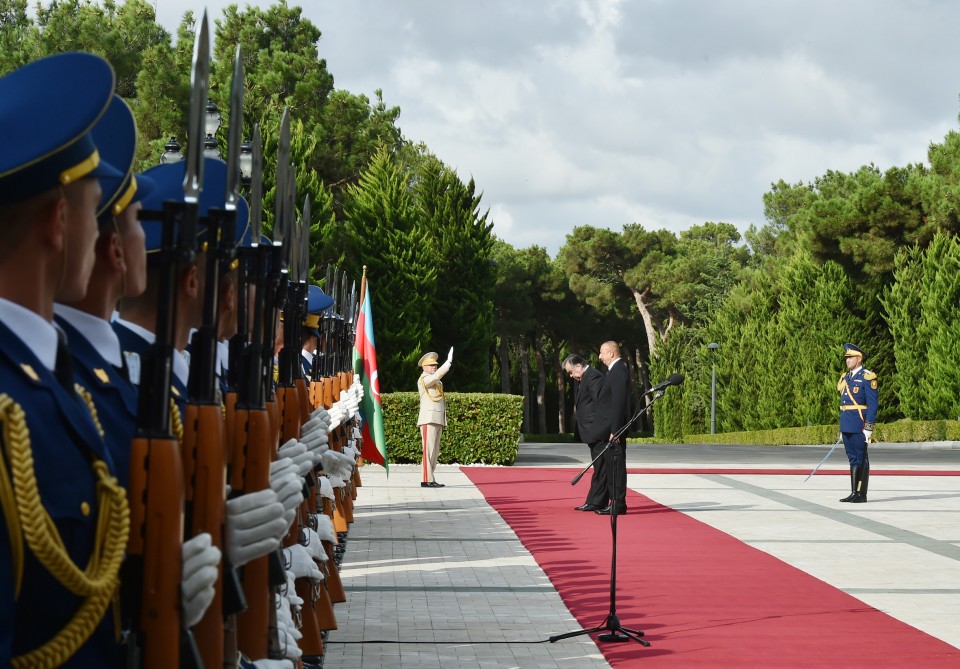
x: 587, y: 507
x: 430, y: 484
x: 607, y: 510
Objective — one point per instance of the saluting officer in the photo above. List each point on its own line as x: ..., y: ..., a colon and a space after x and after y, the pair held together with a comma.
x: 858, y: 414
x: 65, y: 518
x: 433, y: 412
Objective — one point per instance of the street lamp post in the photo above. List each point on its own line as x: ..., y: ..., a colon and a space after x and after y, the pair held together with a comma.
x: 245, y: 160
x: 210, y: 147
x: 171, y: 152
x: 713, y: 346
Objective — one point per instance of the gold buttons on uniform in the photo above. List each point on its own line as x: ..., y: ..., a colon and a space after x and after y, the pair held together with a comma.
x: 85, y: 508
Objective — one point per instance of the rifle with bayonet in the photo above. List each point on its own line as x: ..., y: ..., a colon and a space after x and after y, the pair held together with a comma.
x: 154, y: 563
x: 204, y: 445
x: 254, y: 440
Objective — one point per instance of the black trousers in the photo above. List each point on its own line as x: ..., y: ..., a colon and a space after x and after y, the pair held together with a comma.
x: 598, y: 493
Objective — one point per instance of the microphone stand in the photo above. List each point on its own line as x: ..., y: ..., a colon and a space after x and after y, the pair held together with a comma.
x: 611, y: 625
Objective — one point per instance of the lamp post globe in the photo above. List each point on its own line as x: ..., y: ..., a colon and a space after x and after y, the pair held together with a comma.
x: 171, y: 152
x: 210, y: 147
x: 245, y: 161
x: 212, y: 118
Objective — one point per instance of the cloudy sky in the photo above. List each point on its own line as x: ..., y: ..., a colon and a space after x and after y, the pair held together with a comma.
x: 666, y: 113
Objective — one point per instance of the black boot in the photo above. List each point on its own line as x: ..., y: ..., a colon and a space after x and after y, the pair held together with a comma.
x: 853, y: 485
x: 864, y: 482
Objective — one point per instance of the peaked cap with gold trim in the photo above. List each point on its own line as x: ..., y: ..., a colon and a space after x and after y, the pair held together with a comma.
x: 430, y: 358
x: 47, y: 111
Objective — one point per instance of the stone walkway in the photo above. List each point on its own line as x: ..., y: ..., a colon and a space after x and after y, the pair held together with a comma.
x: 435, y: 578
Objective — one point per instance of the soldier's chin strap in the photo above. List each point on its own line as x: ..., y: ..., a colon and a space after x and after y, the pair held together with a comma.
x: 98, y: 582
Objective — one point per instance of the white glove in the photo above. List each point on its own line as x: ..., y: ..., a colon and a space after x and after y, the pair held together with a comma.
x: 358, y: 388
x: 316, y: 443
x: 325, y: 527
x: 292, y: 597
x: 301, y: 564
x: 286, y: 619
x: 867, y: 434
x: 313, y: 545
x: 288, y: 644
x: 315, y: 423
x: 335, y: 416
x: 198, y: 578
x: 326, y: 490
x: 273, y: 664
x: 254, y: 527
x: 285, y: 480
x: 449, y: 360
x: 297, y: 452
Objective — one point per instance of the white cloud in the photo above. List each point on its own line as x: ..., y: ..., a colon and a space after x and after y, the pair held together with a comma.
x: 607, y: 112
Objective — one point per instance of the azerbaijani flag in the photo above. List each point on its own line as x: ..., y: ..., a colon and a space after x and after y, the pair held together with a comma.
x: 374, y: 446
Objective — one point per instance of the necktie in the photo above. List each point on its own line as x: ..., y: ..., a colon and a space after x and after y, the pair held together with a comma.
x: 63, y: 369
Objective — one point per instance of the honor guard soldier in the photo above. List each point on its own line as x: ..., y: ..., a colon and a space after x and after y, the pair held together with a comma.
x: 136, y: 323
x: 433, y: 412
x: 119, y: 271
x: 65, y: 517
x: 858, y: 414
x: 317, y: 303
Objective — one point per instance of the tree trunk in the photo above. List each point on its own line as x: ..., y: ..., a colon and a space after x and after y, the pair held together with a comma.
x: 648, y: 326
x: 541, y: 384
x: 525, y: 382
x: 561, y: 392
x: 643, y: 385
x: 504, y: 365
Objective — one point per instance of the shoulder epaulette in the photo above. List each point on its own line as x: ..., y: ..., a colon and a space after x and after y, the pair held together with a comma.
x: 868, y: 375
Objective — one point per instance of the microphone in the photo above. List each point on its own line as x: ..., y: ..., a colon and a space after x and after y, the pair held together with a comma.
x: 674, y: 380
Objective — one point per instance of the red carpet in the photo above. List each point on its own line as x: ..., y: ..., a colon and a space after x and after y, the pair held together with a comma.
x: 789, y: 472
x: 703, y: 598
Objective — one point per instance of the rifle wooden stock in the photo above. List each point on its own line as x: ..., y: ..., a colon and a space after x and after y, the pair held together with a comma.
x: 252, y: 454
x: 316, y: 393
x: 204, y: 460
x: 288, y: 407
x: 304, y: 397
x: 334, y: 582
x: 156, y: 540
x: 327, y: 400
x: 326, y: 618
x: 311, y: 643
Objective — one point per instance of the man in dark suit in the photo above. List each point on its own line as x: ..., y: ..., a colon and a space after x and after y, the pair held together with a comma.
x: 612, y: 415
x: 585, y: 395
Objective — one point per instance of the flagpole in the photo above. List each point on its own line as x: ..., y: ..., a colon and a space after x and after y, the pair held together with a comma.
x: 363, y: 289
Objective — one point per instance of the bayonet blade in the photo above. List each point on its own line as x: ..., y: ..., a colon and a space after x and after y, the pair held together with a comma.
x: 233, y: 136
x: 283, y: 167
x: 292, y: 234
x: 305, y: 242
x: 256, y: 187
x: 199, y: 84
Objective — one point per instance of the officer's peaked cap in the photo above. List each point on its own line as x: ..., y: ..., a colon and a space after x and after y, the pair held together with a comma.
x: 48, y: 109
x: 850, y: 350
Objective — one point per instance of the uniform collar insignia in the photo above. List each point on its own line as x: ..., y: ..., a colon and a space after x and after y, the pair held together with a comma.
x: 29, y: 371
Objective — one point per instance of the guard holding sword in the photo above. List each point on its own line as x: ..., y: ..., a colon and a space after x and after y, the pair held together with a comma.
x: 858, y: 414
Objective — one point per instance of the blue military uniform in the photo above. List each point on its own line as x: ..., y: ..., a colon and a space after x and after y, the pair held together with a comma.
x: 858, y: 391
x: 317, y: 303
x: 62, y: 507
x: 98, y: 360
x: 167, y: 183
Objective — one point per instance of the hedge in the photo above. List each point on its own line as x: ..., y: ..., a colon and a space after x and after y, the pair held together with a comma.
x: 482, y: 428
